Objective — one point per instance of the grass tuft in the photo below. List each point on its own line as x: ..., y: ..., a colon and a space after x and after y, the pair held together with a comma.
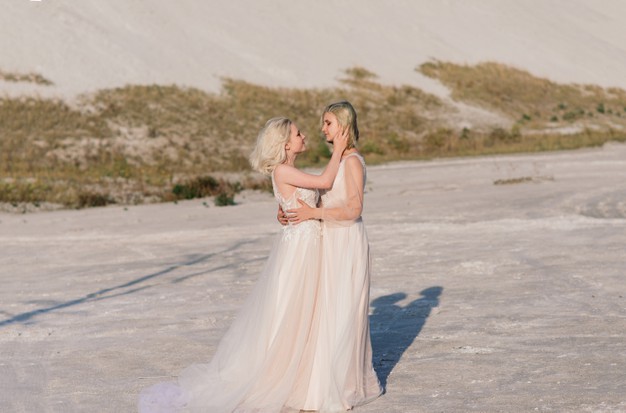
x: 27, y: 78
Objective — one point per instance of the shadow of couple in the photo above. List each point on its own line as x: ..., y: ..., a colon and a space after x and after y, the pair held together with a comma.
x: 393, y: 327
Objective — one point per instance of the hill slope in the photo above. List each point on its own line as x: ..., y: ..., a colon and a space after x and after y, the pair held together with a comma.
x: 89, y: 45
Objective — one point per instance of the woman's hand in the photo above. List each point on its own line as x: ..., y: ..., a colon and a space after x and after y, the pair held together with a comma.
x: 340, y: 140
x: 304, y: 213
x: 281, y: 217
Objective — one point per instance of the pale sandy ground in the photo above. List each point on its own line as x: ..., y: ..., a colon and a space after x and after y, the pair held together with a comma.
x: 485, y: 298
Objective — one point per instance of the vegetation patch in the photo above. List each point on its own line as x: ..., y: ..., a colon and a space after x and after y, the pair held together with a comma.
x: 523, y: 179
x: 528, y: 99
x: 165, y: 142
x: 25, y: 77
x: 205, y: 186
x: 513, y: 180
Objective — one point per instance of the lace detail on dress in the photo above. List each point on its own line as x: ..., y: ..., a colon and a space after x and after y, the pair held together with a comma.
x: 310, y: 227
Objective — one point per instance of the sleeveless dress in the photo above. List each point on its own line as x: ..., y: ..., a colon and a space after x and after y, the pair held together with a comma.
x: 343, y: 375
x: 269, y: 348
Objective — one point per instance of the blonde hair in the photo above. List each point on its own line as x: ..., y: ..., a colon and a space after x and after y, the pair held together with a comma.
x: 346, y: 117
x: 270, y: 145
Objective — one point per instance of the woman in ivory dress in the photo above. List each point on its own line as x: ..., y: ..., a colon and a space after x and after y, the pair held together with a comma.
x: 343, y: 375
x: 265, y: 361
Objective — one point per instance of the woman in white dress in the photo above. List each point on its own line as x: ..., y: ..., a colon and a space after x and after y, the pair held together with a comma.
x: 268, y: 352
x: 343, y: 375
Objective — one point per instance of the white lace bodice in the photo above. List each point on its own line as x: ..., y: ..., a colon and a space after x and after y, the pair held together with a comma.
x: 310, y: 196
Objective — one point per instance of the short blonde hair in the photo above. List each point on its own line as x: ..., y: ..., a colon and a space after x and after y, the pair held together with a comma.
x: 346, y: 117
x: 270, y: 145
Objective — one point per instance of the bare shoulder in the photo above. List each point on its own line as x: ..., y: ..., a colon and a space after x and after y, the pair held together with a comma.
x: 282, y: 170
x: 355, y: 162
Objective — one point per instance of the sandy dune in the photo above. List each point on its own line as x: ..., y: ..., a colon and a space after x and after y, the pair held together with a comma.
x: 485, y: 297
x: 92, y: 44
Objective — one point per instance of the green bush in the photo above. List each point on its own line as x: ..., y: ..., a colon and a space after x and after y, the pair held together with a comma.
x: 224, y: 199
x: 199, y: 187
x: 92, y: 199
x: 573, y: 115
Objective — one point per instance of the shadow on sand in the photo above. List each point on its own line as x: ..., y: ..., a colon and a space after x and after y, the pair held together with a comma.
x: 393, y: 328
x: 130, y: 287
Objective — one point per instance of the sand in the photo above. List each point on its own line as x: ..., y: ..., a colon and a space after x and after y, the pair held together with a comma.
x: 93, y: 44
x: 485, y: 298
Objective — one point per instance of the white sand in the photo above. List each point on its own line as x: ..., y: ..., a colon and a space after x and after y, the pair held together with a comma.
x: 526, y: 309
x: 91, y: 44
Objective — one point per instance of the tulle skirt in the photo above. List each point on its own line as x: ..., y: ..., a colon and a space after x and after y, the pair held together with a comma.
x: 301, y: 340
x: 268, y: 348
x: 343, y: 375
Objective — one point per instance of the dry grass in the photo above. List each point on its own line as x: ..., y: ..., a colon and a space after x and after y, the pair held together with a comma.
x: 527, y: 99
x: 160, y: 143
x: 513, y: 181
x: 523, y: 179
x: 27, y: 78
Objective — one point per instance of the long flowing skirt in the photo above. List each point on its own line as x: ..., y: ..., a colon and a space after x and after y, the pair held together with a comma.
x: 270, y: 347
x: 343, y: 375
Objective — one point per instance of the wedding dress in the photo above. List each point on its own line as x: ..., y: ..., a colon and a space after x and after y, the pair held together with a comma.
x: 269, y: 347
x: 343, y: 375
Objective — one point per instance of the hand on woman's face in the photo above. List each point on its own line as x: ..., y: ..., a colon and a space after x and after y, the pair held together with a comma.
x: 330, y: 126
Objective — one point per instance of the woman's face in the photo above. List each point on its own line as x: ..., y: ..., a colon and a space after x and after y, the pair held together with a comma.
x: 330, y: 126
x: 297, y: 143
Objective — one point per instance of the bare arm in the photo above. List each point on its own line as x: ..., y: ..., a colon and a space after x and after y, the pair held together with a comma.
x: 354, y: 203
x: 290, y: 175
